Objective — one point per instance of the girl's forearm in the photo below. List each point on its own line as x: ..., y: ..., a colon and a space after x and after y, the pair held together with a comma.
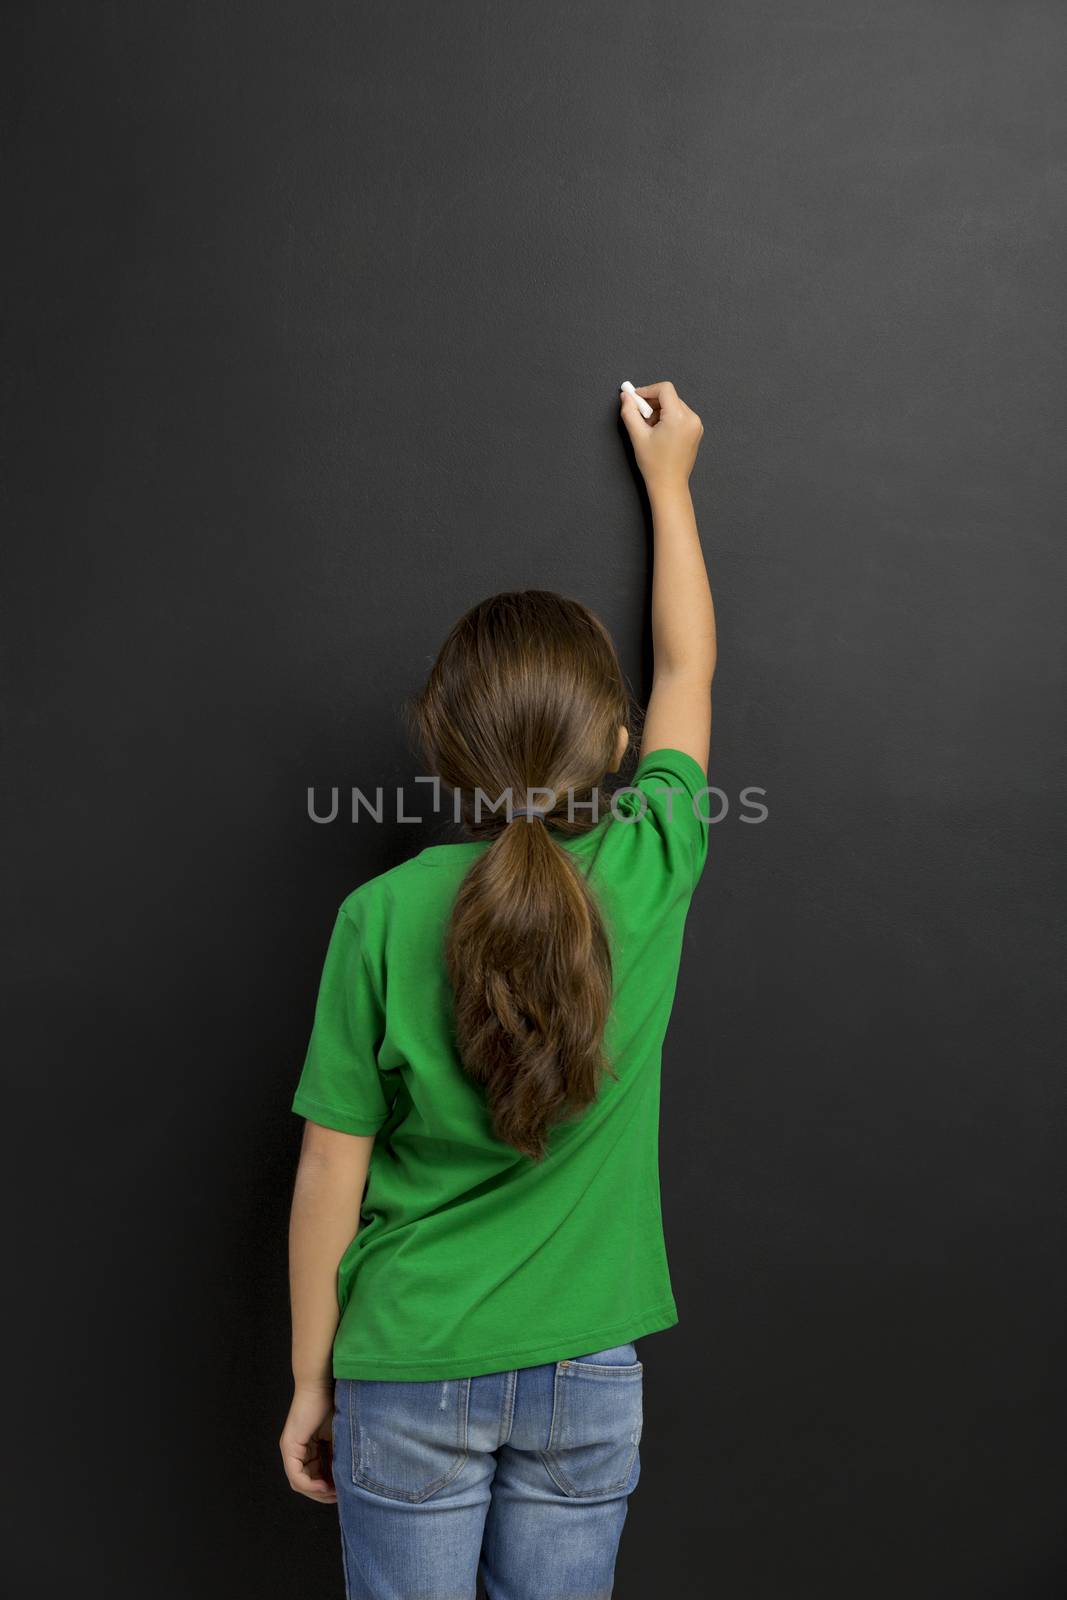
x: 683, y: 614
x: 323, y: 1223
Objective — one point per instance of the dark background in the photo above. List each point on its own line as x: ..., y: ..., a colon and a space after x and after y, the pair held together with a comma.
x: 316, y: 317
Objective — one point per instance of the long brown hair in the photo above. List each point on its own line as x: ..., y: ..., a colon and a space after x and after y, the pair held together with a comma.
x: 527, y: 694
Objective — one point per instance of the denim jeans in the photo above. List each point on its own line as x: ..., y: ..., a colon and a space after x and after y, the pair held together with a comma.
x: 521, y: 1475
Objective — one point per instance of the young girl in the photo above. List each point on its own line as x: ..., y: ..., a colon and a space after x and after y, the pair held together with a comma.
x: 476, y: 1239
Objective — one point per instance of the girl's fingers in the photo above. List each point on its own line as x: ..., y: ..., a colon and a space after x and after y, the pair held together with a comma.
x: 664, y: 395
x: 314, y: 1488
x: 633, y: 421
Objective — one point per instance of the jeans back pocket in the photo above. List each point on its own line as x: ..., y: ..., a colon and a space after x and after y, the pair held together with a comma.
x: 597, y: 1417
x: 407, y: 1439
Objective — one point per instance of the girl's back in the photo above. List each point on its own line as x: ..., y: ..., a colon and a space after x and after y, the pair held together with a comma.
x: 472, y: 1257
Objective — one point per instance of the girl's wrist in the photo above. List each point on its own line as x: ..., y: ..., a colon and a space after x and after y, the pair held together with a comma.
x: 304, y: 1383
x: 668, y: 491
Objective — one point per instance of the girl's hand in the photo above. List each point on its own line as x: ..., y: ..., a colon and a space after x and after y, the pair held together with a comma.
x: 305, y: 1444
x: 666, y: 445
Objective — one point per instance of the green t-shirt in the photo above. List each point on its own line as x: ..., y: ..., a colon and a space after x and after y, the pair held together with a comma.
x: 471, y: 1258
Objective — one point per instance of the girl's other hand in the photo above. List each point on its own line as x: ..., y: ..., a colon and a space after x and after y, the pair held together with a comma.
x: 666, y: 445
x: 305, y: 1444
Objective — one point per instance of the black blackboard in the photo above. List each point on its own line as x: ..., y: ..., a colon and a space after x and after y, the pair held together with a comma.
x: 316, y: 315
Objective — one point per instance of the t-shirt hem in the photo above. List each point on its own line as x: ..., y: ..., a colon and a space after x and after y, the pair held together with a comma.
x: 665, y: 1315
x: 330, y: 1117
x: 683, y: 764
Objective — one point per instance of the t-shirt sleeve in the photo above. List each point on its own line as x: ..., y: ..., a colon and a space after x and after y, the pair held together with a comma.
x: 665, y: 811
x: 340, y: 1086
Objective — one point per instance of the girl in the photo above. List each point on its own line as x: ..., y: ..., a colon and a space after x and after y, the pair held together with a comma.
x: 476, y: 1239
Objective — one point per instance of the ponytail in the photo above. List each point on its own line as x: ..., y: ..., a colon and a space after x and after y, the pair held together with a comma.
x: 527, y: 693
x: 530, y: 968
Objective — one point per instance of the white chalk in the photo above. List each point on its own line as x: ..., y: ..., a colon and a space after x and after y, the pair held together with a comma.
x: 642, y: 404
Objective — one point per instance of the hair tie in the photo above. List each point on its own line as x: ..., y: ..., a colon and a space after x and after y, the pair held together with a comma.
x: 527, y: 811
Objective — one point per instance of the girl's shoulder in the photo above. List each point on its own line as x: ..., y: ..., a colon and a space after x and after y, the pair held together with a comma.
x: 656, y: 839
x: 409, y: 883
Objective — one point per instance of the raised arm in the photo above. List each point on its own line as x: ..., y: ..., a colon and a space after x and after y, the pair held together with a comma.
x: 683, y: 616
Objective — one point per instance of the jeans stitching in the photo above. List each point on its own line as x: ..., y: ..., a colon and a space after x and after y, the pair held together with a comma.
x: 507, y: 1420
x: 340, y: 1521
x: 412, y: 1496
x: 344, y: 1561
x: 552, y: 1466
x: 546, y: 1455
x: 596, y: 1369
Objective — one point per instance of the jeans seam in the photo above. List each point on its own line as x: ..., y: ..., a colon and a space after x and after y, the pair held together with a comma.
x: 559, y: 1479
x: 508, y: 1418
x: 344, y: 1561
x: 599, y: 1369
x: 340, y: 1519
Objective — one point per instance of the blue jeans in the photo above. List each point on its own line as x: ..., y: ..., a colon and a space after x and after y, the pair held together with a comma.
x: 523, y: 1475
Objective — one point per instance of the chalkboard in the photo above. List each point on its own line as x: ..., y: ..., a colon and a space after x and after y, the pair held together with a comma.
x: 317, y: 315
